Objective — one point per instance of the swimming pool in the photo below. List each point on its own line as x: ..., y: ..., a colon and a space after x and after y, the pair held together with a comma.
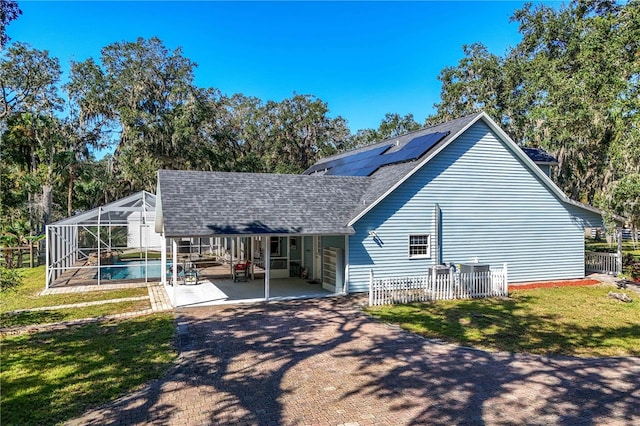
x: 130, y: 270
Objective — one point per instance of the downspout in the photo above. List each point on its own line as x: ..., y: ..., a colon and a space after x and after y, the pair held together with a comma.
x: 437, y: 214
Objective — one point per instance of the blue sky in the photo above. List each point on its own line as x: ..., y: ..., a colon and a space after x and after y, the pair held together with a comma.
x: 364, y: 59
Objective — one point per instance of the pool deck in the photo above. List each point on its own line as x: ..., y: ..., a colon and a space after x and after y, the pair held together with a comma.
x: 82, y: 273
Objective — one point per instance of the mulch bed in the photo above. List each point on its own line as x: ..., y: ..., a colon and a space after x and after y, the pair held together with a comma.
x: 549, y: 284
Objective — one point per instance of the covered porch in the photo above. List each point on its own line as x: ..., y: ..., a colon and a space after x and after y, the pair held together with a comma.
x: 289, y: 232
x: 257, y: 268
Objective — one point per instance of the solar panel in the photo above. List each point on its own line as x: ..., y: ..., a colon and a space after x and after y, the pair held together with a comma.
x: 347, y: 171
x: 419, y: 145
x: 367, y: 162
x: 411, y: 151
x: 349, y: 159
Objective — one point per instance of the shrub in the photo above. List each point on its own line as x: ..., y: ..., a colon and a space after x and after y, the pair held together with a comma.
x: 9, y: 278
x: 630, y: 266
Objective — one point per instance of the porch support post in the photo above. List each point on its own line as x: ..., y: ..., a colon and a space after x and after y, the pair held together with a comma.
x: 163, y: 259
x: 267, y: 266
x: 98, y: 238
x: 47, y: 254
x: 233, y: 246
x: 619, y: 253
x: 345, y: 285
x: 174, y: 264
x: 252, y: 245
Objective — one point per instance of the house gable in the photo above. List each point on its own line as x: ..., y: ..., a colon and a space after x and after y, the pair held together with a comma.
x: 495, y: 205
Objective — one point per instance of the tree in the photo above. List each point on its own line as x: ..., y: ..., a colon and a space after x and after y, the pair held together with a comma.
x: 475, y: 84
x: 393, y: 125
x: 32, y: 136
x: 300, y: 132
x: 9, y: 11
x: 624, y: 199
x: 41, y: 139
x: 570, y: 86
x: 145, y: 92
x: 36, y: 94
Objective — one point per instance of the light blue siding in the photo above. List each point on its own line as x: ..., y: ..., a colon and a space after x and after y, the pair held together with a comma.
x: 493, y: 208
x: 546, y: 168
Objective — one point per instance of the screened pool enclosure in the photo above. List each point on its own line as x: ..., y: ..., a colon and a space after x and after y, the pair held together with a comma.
x: 115, y: 241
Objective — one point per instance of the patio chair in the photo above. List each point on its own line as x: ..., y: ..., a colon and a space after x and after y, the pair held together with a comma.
x: 241, y: 271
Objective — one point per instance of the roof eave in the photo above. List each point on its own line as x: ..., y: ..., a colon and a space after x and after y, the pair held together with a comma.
x: 349, y: 231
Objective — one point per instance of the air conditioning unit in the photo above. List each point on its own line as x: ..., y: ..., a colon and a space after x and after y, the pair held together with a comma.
x: 470, y: 268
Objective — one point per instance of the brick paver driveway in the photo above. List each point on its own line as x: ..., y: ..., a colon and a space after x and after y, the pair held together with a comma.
x: 325, y: 362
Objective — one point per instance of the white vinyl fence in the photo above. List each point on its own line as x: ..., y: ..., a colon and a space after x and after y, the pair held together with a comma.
x: 439, y: 285
x: 604, y: 263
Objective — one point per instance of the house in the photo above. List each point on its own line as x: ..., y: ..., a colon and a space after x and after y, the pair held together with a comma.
x: 458, y: 192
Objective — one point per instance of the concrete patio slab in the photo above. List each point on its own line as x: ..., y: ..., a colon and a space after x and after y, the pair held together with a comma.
x: 210, y: 292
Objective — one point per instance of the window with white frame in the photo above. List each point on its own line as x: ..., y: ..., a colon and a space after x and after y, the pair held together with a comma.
x: 419, y: 245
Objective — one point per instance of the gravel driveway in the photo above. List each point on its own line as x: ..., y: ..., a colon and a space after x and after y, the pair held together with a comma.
x: 324, y: 362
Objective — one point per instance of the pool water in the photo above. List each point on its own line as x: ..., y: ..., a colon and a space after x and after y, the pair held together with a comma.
x: 130, y: 270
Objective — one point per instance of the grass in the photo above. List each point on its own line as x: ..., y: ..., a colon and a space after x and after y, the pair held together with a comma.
x: 57, y: 315
x: 50, y: 377
x: 139, y: 255
x: 27, y: 296
x: 578, y: 321
x: 627, y: 247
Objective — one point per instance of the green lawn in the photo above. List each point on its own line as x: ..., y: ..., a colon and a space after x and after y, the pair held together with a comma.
x: 579, y: 321
x: 28, y: 294
x: 67, y: 314
x: 139, y: 255
x: 627, y: 247
x: 50, y: 377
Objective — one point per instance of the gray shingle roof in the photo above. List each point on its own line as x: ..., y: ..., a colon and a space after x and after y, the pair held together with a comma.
x: 195, y: 203
x: 198, y: 203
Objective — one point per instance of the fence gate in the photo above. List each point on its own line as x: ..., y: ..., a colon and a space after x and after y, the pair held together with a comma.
x: 603, y: 263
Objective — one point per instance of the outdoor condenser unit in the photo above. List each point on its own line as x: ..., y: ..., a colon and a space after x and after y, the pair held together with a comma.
x: 470, y: 268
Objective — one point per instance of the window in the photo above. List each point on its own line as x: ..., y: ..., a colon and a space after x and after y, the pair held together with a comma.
x: 419, y: 246
x: 275, y: 246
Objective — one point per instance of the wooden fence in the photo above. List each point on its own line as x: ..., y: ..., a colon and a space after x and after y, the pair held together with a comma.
x: 439, y: 285
x: 604, y: 263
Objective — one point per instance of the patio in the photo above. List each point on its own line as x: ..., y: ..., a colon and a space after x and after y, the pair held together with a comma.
x: 210, y: 292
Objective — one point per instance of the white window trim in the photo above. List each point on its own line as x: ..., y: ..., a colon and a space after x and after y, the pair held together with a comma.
x: 419, y: 256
